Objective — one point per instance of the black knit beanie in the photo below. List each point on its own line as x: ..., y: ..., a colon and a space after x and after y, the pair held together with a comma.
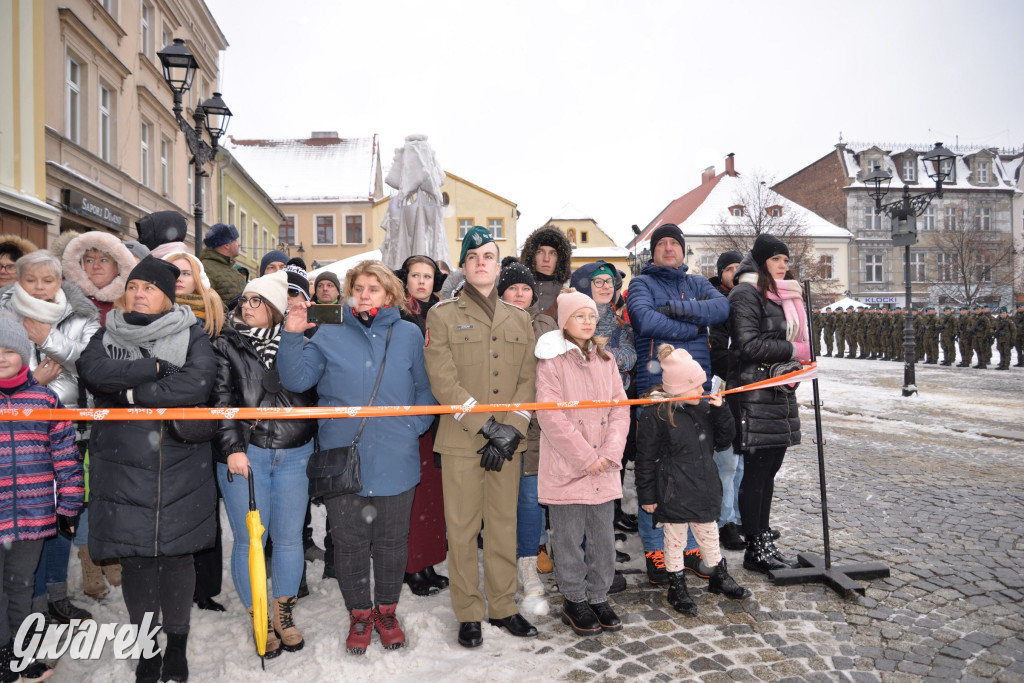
x: 163, y: 274
x: 516, y: 274
x: 667, y: 230
x: 766, y: 246
x: 727, y: 259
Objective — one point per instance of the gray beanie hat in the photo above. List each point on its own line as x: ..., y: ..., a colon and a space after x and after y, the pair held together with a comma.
x: 14, y: 337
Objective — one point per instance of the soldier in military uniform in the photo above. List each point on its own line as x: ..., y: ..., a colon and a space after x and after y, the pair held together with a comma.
x: 1019, y: 320
x: 965, y: 324
x: 841, y: 319
x: 480, y: 350
x: 829, y: 328
x: 948, y: 329
x: 1006, y: 335
x: 871, y: 332
x: 861, y: 332
x: 816, y: 327
x: 979, y: 333
x: 896, y: 334
x: 930, y: 336
x: 990, y: 334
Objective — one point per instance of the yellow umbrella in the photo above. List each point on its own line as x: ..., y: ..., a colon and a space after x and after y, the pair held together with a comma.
x: 257, y: 571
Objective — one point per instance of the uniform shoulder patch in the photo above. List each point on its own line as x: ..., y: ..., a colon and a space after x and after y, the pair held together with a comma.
x: 442, y: 302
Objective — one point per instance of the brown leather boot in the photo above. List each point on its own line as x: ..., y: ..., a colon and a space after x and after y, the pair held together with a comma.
x: 112, y: 570
x: 92, y: 576
x: 273, y: 642
x: 291, y: 639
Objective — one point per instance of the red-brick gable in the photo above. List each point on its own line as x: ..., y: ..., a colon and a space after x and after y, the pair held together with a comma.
x: 679, y: 210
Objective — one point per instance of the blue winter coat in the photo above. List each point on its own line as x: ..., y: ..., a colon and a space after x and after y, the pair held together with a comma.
x: 695, y: 305
x: 343, y: 362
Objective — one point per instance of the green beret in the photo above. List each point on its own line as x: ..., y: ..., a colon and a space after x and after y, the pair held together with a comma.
x: 477, y: 237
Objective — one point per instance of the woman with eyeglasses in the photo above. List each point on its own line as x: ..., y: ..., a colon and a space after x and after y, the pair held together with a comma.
x: 276, y: 450
x: 152, y: 499
x: 580, y: 458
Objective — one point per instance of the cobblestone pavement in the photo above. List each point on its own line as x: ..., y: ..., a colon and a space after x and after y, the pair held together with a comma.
x: 913, y: 484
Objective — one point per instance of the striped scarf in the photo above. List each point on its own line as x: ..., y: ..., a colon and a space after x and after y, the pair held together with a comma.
x: 264, y: 340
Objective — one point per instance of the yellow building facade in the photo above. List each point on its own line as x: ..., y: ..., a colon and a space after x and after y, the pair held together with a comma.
x: 244, y: 204
x: 589, y: 242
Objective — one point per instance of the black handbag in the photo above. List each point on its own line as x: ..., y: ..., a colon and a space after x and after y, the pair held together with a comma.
x: 193, y: 431
x: 335, y: 471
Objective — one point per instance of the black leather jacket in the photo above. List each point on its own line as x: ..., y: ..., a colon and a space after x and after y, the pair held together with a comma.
x: 244, y: 382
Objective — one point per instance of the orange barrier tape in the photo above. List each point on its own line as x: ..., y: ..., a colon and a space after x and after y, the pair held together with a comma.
x: 810, y: 371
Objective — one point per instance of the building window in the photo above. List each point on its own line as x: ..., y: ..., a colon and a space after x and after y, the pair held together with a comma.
x: 949, y: 220
x: 984, y: 219
x: 324, y: 230
x: 584, y: 237
x: 948, y: 171
x: 166, y: 37
x: 918, y: 272
x: 144, y: 150
x: 354, y: 229
x: 874, y: 165
x: 872, y: 218
x: 774, y: 211
x: 910, y: 170
x: 944, y: 267
x: 146, y: 13
x: 826, y: 267
x: 984, y: 268
x: 165, y: 167
x: 736, y: 211
x: 497, y: 228
x: 708, y: 265
x: 928, y: 222
x: 873, y: 268
x: 109, y: 6
x: 74, y: 101
x: 982, y: 172
x: 243, y: 229
x: 465, y: 224
x: 266, y: 242
x: 105, y: 108
x: 286, y: 231
x: 255, y: 240
x: 231, y: 216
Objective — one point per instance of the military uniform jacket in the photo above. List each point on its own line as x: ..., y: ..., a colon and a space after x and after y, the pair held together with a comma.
x: 471, y: 359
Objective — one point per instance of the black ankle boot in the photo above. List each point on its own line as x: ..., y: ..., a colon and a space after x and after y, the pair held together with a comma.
x: 580, y: 618
x: 175, y: 660
x: 721, y: 583
x: 148, y: 670
x: 678, y: 596
x: 777, y: 554
x: 758, y: 558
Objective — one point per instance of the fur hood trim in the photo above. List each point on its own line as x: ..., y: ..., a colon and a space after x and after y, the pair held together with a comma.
x: 108, y: 244
x: 61, y: 241
x: 547, y: 236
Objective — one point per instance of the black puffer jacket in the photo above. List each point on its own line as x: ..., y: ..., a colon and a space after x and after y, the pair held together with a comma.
x: 675, y: 465
x: 765, y: 418
x: 149, y: 494
x: 244, y: 382
x: 718, y: 336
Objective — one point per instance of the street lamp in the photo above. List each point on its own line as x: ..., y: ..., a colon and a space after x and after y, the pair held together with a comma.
x: 638, y: 260
x: 904, y: 212
x: 213, y: 116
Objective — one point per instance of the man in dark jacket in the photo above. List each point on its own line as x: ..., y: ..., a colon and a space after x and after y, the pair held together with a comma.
x: 730, y: 464
x: 218, y: 257
x: 668, y: 305
x: 548, y: 255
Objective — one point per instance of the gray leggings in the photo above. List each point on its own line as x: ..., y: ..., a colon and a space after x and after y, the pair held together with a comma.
x: 360, y: 525
x: 18, y: 569
x: 583, y: 574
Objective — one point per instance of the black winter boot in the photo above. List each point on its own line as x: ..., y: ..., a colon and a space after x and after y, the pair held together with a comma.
x: 580, y: 618
x: 678, y: 596
x: 148, y: 670
x: 721, y: 583
x: 6, y: 655
x: 776, y: 553
x: 175, y: 660
x: 758, y: 558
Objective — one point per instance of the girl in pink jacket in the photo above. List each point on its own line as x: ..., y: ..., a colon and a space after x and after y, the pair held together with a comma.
x: 580, y: 459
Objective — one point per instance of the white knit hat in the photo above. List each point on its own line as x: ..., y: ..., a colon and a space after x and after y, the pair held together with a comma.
x: 273, y: 288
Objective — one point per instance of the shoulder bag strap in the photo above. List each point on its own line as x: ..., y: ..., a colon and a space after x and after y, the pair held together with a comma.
x: 376, y: 386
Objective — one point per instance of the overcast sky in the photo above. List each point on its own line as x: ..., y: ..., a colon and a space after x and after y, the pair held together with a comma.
x: 617, y: 107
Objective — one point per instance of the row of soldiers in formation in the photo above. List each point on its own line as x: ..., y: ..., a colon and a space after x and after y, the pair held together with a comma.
x: 878, y: 334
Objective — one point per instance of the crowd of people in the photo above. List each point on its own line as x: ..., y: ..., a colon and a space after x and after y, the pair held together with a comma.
x: 97, y: 322
x: 877, y: 334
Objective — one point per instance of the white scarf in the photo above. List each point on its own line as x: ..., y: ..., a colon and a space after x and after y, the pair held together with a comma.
x: 27, y: 306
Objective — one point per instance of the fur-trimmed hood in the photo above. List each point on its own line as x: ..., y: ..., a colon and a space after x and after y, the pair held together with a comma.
x: 24, y: 245
x: 71, y: 262
x: 61, y: 241
x: 552, y: 237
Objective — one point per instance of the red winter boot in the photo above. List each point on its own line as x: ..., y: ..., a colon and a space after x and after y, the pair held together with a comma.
x: 388, y: 628
x: 360, y: 630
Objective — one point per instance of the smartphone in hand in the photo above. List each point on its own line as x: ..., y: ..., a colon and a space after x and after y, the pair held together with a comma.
x: 324, y: 314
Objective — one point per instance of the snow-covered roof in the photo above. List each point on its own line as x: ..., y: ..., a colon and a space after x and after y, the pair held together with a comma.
x: 1003, y: 168
x: 845, y: 303
x: 570, y: 212
x: 600, y: 252
x: 319, y: 169
x: 709, y: 204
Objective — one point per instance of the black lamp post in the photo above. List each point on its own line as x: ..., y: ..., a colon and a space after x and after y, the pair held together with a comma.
x: 904, y: 212
x: 212, y: 115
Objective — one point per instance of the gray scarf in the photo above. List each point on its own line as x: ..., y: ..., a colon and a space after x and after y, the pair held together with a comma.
x: 166, y: 337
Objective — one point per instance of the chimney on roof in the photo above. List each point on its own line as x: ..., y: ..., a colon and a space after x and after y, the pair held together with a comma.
x: 708, y: 175
x: 324, y: 134
x: 730, y: 164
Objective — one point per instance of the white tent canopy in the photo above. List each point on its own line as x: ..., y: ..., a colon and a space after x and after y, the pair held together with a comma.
x: 844, y: 304
x: 341, y: 267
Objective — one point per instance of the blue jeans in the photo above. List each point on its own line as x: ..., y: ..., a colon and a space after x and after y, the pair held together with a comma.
x: 730, y: 471
x: 282, y: 490
x: 53, y: 568
x: 530, y: 531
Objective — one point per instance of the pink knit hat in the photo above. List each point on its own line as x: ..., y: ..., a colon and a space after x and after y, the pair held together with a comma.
x: 570, y: 303
x: 681, y: 374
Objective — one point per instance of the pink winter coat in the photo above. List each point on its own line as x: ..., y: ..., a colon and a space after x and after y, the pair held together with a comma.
x: 570, y: 440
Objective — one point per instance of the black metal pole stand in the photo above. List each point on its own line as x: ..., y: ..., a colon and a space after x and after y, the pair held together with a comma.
x: 813, y: 568
x: 909, y: 352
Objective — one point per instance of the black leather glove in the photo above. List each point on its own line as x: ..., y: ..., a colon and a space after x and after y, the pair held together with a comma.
x: 504, y: 437
x: 673, y: 309
x: 167, y: 369
x: 491, y: 458
x: 66, y: 526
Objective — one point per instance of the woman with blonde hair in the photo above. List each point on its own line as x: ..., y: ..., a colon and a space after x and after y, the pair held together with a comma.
x: 373, y: 357
x: 193, y: 290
